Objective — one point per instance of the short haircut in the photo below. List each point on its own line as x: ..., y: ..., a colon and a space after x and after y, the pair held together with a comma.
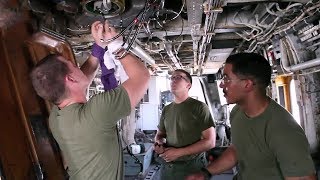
x: 251, y: 65
x: 48, y: 78
x: 186, y: 73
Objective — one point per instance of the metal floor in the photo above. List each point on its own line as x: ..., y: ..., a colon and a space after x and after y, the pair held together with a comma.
x: 217, y: 177
x: 153, y: 174
x: 222, y: 177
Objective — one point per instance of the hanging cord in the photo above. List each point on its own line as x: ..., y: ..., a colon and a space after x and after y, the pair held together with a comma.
x: 137, y: 161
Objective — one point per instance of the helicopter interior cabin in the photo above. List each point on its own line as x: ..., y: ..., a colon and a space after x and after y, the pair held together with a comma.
x: 195, y: 35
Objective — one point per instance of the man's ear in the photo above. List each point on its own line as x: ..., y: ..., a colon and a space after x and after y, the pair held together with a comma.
x: 249, y: 84
x: 70, y: 78
x: 189, y: 86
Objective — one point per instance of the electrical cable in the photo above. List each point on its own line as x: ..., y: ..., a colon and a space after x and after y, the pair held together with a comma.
x: 135, y: 27
x: 180, y: 31
x: 137, y: 160
x: 178, y: 14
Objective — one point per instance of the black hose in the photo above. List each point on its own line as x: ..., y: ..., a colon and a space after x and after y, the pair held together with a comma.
x: 136, y: 159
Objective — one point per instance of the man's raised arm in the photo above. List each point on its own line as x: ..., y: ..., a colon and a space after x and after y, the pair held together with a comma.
x: 138, y: 75
x: 90, y: 66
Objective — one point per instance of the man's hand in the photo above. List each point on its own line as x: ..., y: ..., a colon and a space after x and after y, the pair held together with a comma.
x: 97, y: 33
x: 158, y: 148
x: 171, y: 154
x: 102, y: 32
x: 159, y: 145
x: 109, y: 32
x: 196, y: 176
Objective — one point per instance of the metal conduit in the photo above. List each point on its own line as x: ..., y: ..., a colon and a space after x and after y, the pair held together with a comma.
x: 138, y: 51
x: 297, y: 67
x: 174, y: 59
x: 301, y: 24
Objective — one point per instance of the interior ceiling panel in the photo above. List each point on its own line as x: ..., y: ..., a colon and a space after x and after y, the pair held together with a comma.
x: 195, y: 35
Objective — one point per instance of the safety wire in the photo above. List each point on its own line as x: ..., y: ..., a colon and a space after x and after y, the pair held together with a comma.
x: 134, y: 28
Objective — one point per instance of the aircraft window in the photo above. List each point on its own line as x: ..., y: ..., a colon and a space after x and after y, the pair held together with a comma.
x: 281, y: 96
x: 295, y: 110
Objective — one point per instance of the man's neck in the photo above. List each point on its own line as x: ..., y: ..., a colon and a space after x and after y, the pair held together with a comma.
x: 179, y: 98
x: 255, y: 107
x: 70, y: 101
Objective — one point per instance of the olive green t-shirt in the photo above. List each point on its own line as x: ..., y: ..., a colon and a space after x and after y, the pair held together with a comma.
x: 270, y: 146
x: 88, y: 137
x: 183, y: 123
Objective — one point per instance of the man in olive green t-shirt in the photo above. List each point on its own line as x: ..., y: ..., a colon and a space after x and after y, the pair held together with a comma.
x: 267, y: 143
x: 187, y: 128
x: 86, y: 130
